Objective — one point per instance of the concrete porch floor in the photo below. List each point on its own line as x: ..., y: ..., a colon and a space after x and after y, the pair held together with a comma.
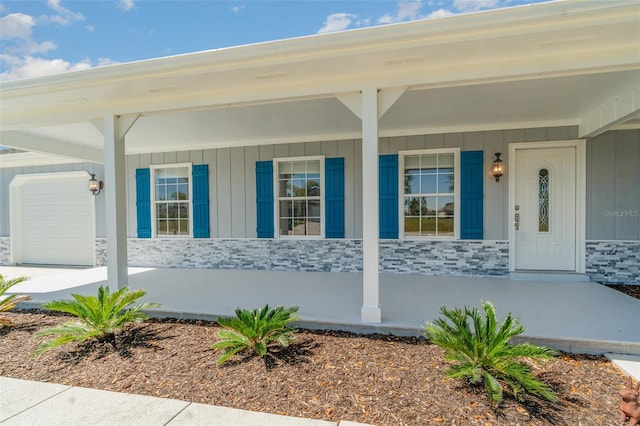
x: 580, y: 317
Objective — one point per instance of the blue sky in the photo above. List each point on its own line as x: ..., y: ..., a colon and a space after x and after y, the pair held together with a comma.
x: 53, y: 36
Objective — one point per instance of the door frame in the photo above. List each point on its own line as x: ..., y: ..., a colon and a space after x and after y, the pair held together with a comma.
x: 581, y: 191
x: 15, y: 208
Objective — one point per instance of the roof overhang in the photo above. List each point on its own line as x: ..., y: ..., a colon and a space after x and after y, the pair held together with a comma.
x: 558, y: 63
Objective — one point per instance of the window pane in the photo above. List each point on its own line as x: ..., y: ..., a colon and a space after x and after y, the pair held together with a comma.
x: 424, y: 210
x: 431, y: 205
x: 313, y: 167
x: 445, y: 226
x: 172, y: 226
x: 445, y: 160
x: 172, y: 192
x: 411, y: 163
x: 299, y: 188
x: 429, y: 162
x: 183, y: 227
x: 299, y: 167
x: 161, y: 193
x: 183, y: 192
x: 161, y: 211
x: 299, y: 209
x: 543, y: 200
x: 161, y: 226
x: 160, y: 175
x: 313, y: 187
x: 286, y: 208
x: 445, y: 183
x: 284, y: 168
x: 284, y: 188
x: 314, y: 208
x: 285, y: 226
x: 299, y: 226
x: 184, y: 211
x: 445, y: 206
x: 172, y: 209
x: 412, y: 183
x: 411, y: 226
x: 428, y: 226
x: 412, y: 206
x: 313, y: 226
x: 428, y: 184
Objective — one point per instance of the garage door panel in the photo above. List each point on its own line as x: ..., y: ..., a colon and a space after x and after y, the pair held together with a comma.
x: 57, y: 221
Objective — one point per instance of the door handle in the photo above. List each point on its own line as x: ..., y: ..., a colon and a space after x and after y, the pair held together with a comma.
x: 517, y: 221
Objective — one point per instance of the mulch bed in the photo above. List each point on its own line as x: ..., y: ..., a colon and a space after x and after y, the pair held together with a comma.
x: 629, y: 290
x: 376, y: 379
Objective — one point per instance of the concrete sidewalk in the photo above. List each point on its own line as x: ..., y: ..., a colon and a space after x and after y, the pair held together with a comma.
x: 35, y: 403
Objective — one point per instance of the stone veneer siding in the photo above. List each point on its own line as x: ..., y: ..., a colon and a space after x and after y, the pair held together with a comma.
x: 613, y: 262
x: 463, y: 258
x: 472, y: 258
x: 5, y: 250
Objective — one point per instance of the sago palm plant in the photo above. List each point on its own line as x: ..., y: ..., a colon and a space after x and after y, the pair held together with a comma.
x: 485, y: 354
x: 97, y: 317
x: 9, y: 302
x: 255, y: 330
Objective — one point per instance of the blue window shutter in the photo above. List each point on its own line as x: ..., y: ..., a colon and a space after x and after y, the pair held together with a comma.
x: 264, y: 198
x: 471, y: 195
x: 388, y: 193
x: 334, y: 197
x: 143, y: 202
x: 200, y: 174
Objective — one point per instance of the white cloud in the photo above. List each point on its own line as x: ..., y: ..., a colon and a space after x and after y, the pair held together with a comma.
x: 337, y: 22
x: 63, y: 16
x: 407, y: 11
x: 474, y: 5
x: 440, y: 13
x: 30, y: 66
x: 237, y: 9
x: 126, y: 5
x: 16, y: 25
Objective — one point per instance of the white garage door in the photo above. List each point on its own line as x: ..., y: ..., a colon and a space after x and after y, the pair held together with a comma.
x: 55, y: 219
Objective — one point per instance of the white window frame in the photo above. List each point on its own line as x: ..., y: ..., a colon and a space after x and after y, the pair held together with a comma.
x: 276, y: 198
x: 153, y: 198
x: 456, y: 195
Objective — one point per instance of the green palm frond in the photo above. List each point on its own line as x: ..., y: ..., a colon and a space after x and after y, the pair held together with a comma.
x: 98, y: 316
x: 9, y: 302
x: 481, y: 351
x: 255, y: 330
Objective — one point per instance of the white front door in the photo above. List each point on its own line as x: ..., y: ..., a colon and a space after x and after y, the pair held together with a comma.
x: 544, y: 209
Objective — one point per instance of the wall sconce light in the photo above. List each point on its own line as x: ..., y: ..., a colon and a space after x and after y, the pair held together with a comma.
x: 95, y: 186
x: 497, y: 169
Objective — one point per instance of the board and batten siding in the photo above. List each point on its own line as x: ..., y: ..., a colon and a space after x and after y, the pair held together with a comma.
x: 232, y: 193
x: 613, y: 186
x: 7, y: 175
x: 232, y: 175
x: 613, y: 179
x: 495, y: 193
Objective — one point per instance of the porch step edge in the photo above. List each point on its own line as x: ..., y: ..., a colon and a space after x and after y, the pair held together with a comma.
x: 548, y: 276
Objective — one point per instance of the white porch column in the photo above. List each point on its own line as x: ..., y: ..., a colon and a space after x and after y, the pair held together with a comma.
x: 115, y: 203
x: 371, y: 312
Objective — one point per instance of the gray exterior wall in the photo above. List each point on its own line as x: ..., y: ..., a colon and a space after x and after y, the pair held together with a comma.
x: 613, y: 210
x: 613, y: 186
x: 232, y: 175
x: 7, y: 175
x: 232, y: 198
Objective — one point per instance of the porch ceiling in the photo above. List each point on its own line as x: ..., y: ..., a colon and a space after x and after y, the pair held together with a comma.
x: 541, y: 65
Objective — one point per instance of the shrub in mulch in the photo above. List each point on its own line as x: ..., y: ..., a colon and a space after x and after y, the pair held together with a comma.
x: 375, y: 379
